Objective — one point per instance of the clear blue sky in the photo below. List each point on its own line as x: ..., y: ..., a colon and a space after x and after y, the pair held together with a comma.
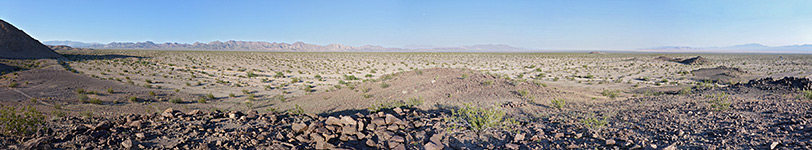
x: 552, y: 24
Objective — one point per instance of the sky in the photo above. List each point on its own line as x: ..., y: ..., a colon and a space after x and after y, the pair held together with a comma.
x: 533, y: 24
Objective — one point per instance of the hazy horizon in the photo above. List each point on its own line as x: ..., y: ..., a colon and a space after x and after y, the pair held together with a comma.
x: 559, y: 25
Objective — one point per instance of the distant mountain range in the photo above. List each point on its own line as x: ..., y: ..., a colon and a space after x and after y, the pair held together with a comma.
x: 282, y: 47
x: 744, y: 48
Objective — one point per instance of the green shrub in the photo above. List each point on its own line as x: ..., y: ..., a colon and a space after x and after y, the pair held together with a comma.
x: 110, y: 90
x: 280, y: 97
x: 133, y: 99
x: 479, y: 119
x: 558, y: 102
x: 593, y: 122
x: 720, y: 102
x: 251, y: 74
x: 176, y: 100
x: 384, y: 85
x: 610, y: 94
x: 151, y: 93
x: 231, y: 95
x: 487, y: 82
x: 21, y: 122
x: 95, y: 101
x: 245, y: 92
x: 202, y: 100
x: 522, y: 93
x: 807, y: 94
x: 350, y: 77
x: 210, y: 96
x: 297, y: 110
x: 83, y: 98
x: 13, y: 85
x: 378, y: 106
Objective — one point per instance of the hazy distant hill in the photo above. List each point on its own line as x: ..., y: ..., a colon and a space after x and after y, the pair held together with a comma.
x: 743, y: 48
x: 293, y: 47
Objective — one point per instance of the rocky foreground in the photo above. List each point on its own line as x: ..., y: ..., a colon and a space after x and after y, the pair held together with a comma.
x: 763, y: 114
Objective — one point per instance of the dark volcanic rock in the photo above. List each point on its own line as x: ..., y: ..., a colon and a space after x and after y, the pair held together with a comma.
x: 16, y: 44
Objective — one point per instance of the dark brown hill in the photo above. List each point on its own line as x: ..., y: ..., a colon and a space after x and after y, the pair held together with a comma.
x: 16, y: 44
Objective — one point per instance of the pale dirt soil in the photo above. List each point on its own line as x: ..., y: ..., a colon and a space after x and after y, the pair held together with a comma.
x: 658, y: 103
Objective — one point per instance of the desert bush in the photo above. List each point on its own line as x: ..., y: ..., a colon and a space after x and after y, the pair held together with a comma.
x: 110, y: 90
x: 464, y: 76
x: 685, y: 91
x: 251, y: 74
x: 133, y: 99
x: 479, y: 119
x: 807, y: 94
x: 487, y: 82
x: 522, y: 93
x: 280, y: 97
x: 95, y: 101
x: 245, y: 92
x: 558, y: 102
x: 151, y: 93
x: 83, y: 98
x: 176, y: 100
x: 80, y: 91
x: 384, y: 85
x: 24, y: 121
x: 13, y: 84
x: 202, y: 100
x: 297, y: 110
x: 279, y: 75
x: 378, y: 106
x: 350, y: 77
x: 210, y: 96
x: 610, y: 94
x: 720, y: 102
x: 594, y: 122
x: 231, y: 95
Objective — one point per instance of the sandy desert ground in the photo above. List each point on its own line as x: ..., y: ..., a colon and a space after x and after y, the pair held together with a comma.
x: 141, y: 99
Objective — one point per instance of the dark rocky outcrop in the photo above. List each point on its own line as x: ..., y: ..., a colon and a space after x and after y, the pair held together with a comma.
x: 16, y: 44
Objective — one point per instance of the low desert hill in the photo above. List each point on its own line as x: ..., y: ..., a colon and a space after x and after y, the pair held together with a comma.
x: 16, y: 44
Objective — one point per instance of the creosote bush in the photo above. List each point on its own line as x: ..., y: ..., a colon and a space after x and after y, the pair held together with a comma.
x: 720, y: 102
x: 558, y: 102
x: 378, y: 106
x: 20, y: 122
x: 480, y: 119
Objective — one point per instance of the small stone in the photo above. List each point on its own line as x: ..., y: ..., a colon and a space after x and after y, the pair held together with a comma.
x: 347, y: 120
x: 518, y: 137
x: 193, y: 112
x: 140, y: 135
x: 673, y: 146
x: 333, y: 121
x: 379, y: 121
x: 651, y: 146
x: 512, y: 146
x: 610, y: 142
x: 578, y: 135
x: 169, y: 112
x: 299, y: 127
x: 573, y: 146
x: 558, y: 135
x: 370, y: 143
x: 127, y: 144
x: 323, y: 145
x: 398, y: 110
x: 398, y: 139
x: 390, y: 119
x: 774, y: 145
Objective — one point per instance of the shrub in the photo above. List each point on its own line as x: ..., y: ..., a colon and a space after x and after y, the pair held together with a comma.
x: 280, y: 97
x: 251, y: 74
x: 176, y: 100
x: 80, y: 91
x: 297, y: 110
x: 593, y: 122
x: 83, y: 98
x: 201, y: 100
x: 807, y: 94
x: 558, y: 102
x: 209, y: 96
x: 95, y: 101
x: 231, y: 95
x: 13, y: 84
x: 384, y: 85
x: 487, y: 82
x: 246, y: 92
x: 610, y: 94
x: 464, y: 76
x: 479, y: 119
x: 720, y: 102
x: 23, y: 122
x: 378, y: 106
x: 151, y: 93
x: 110, y: 90
x: 350, y: 77
x: 522, y: 93
x: 279, y: 75
x: 133, y: 99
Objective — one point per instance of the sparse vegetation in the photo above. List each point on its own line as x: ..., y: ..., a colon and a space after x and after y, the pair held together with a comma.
x: 720, y: 102
x: 24, y: 121
x: 176, y: 100
x: 479, y: 119
x: 610, y: 94
x: 558, y: 103
x: 378, y: 106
